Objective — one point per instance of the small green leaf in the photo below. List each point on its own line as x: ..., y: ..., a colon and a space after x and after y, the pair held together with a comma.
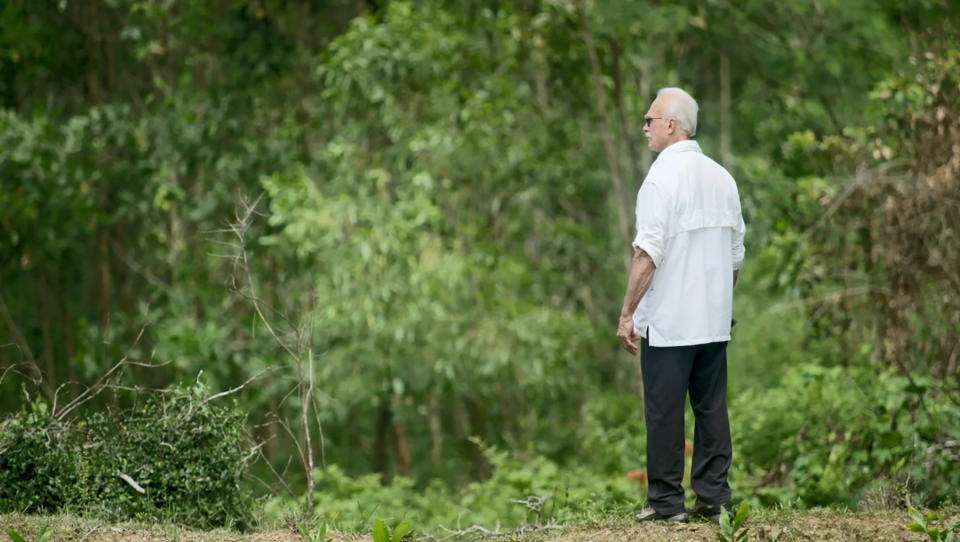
x: 401, y: 530
x: 380, y: 533
x: 47, y: 533
x: 15, y: 536
x: 917, y: 528
x: 724, y: 520
x: 742, y: 513
x: 917, y: 516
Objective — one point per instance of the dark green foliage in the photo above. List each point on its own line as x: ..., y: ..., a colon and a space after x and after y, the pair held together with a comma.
x: 186, y: 454
x: 37, y: 465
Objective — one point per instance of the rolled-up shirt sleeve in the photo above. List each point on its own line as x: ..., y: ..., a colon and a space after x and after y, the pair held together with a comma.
x: 738, y: 250
x: 651, y: 222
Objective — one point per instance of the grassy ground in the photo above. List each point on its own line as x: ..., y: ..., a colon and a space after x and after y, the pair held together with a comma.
x: 766, y: 525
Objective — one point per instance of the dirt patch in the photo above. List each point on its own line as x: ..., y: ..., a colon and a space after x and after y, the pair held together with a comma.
x: 120, y: 534
x: 665, y: 532
x: 808, y: 526
x: 113, y: 534
x: 781, y: 526
x: 74, y: 529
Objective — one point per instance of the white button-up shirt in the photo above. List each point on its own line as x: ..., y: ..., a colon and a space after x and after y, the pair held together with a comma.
x: 689, y: 222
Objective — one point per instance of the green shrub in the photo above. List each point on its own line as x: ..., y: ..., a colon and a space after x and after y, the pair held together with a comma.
x: 573, y: 495
x: 37, y: 465
x: 825, y: 434
x: 176, y: 458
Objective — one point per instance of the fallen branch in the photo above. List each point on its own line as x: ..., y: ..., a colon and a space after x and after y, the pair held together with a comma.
x: 534, y: 503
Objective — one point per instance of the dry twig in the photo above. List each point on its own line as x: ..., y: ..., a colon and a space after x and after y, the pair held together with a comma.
x: 300, y: 350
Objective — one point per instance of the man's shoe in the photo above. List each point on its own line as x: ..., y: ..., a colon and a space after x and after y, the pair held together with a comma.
x: 653, y: 515
x: 709, y: 511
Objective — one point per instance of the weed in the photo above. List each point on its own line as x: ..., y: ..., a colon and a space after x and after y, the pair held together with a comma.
x: 730, y: 529
x: 16, y: 537
x: 382, y: 534
x: 314, y: 535
x: 928, y: 525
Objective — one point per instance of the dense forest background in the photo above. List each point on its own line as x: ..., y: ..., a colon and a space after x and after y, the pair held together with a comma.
x: 398, y: 229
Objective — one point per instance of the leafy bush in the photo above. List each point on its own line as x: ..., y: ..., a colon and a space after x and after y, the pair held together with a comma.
x: 827, y: 433
x: 177, y: 458
x: 509, y: 498
x: 37, y: 465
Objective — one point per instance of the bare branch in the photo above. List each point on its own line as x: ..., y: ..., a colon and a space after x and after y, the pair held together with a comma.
x: 138, y: 389
x: 296, y: 441
x: 133, y: 483
x: 323, y: 445
x: 301, y: 344
x: 238, y: 388
x: 259, y: 451
x: 103, y: 382
x: 36, y: 379
x: 21, y: 345
x: 266, y: 305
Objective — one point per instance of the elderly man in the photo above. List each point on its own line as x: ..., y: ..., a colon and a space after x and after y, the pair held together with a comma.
x: 687, y: 252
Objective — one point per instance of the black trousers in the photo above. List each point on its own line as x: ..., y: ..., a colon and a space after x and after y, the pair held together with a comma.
x: 668, y: 374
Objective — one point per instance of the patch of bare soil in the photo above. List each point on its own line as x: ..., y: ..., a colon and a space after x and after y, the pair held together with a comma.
x: 814, y: 525
x: 115, y: 534
x: 73, y: 529
x: 808, y: 526
x: 120, y: 534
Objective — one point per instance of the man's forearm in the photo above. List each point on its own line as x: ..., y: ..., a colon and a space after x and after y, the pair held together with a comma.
x: 641, y: 275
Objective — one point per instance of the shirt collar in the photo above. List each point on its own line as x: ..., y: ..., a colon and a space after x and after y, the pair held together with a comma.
x: 687, y: 145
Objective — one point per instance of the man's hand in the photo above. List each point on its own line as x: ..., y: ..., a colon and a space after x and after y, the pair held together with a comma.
x: 641, y: 275
x: 626, y: 335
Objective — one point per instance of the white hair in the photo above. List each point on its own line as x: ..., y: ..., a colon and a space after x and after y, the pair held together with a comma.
x: 684, y: 108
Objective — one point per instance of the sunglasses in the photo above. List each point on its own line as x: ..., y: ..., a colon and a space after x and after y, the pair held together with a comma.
x: 648, y: 120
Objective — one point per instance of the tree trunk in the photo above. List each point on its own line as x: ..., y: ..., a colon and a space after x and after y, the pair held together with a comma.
x: 401, y: 446
x: 306, y: 394
x: 643, y: 87
x: 626, y: 135
x: 726, y: 156
x: 380, y: 449
x: 47, y: 318
x: 609, y: 147
x: 436, y: 433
